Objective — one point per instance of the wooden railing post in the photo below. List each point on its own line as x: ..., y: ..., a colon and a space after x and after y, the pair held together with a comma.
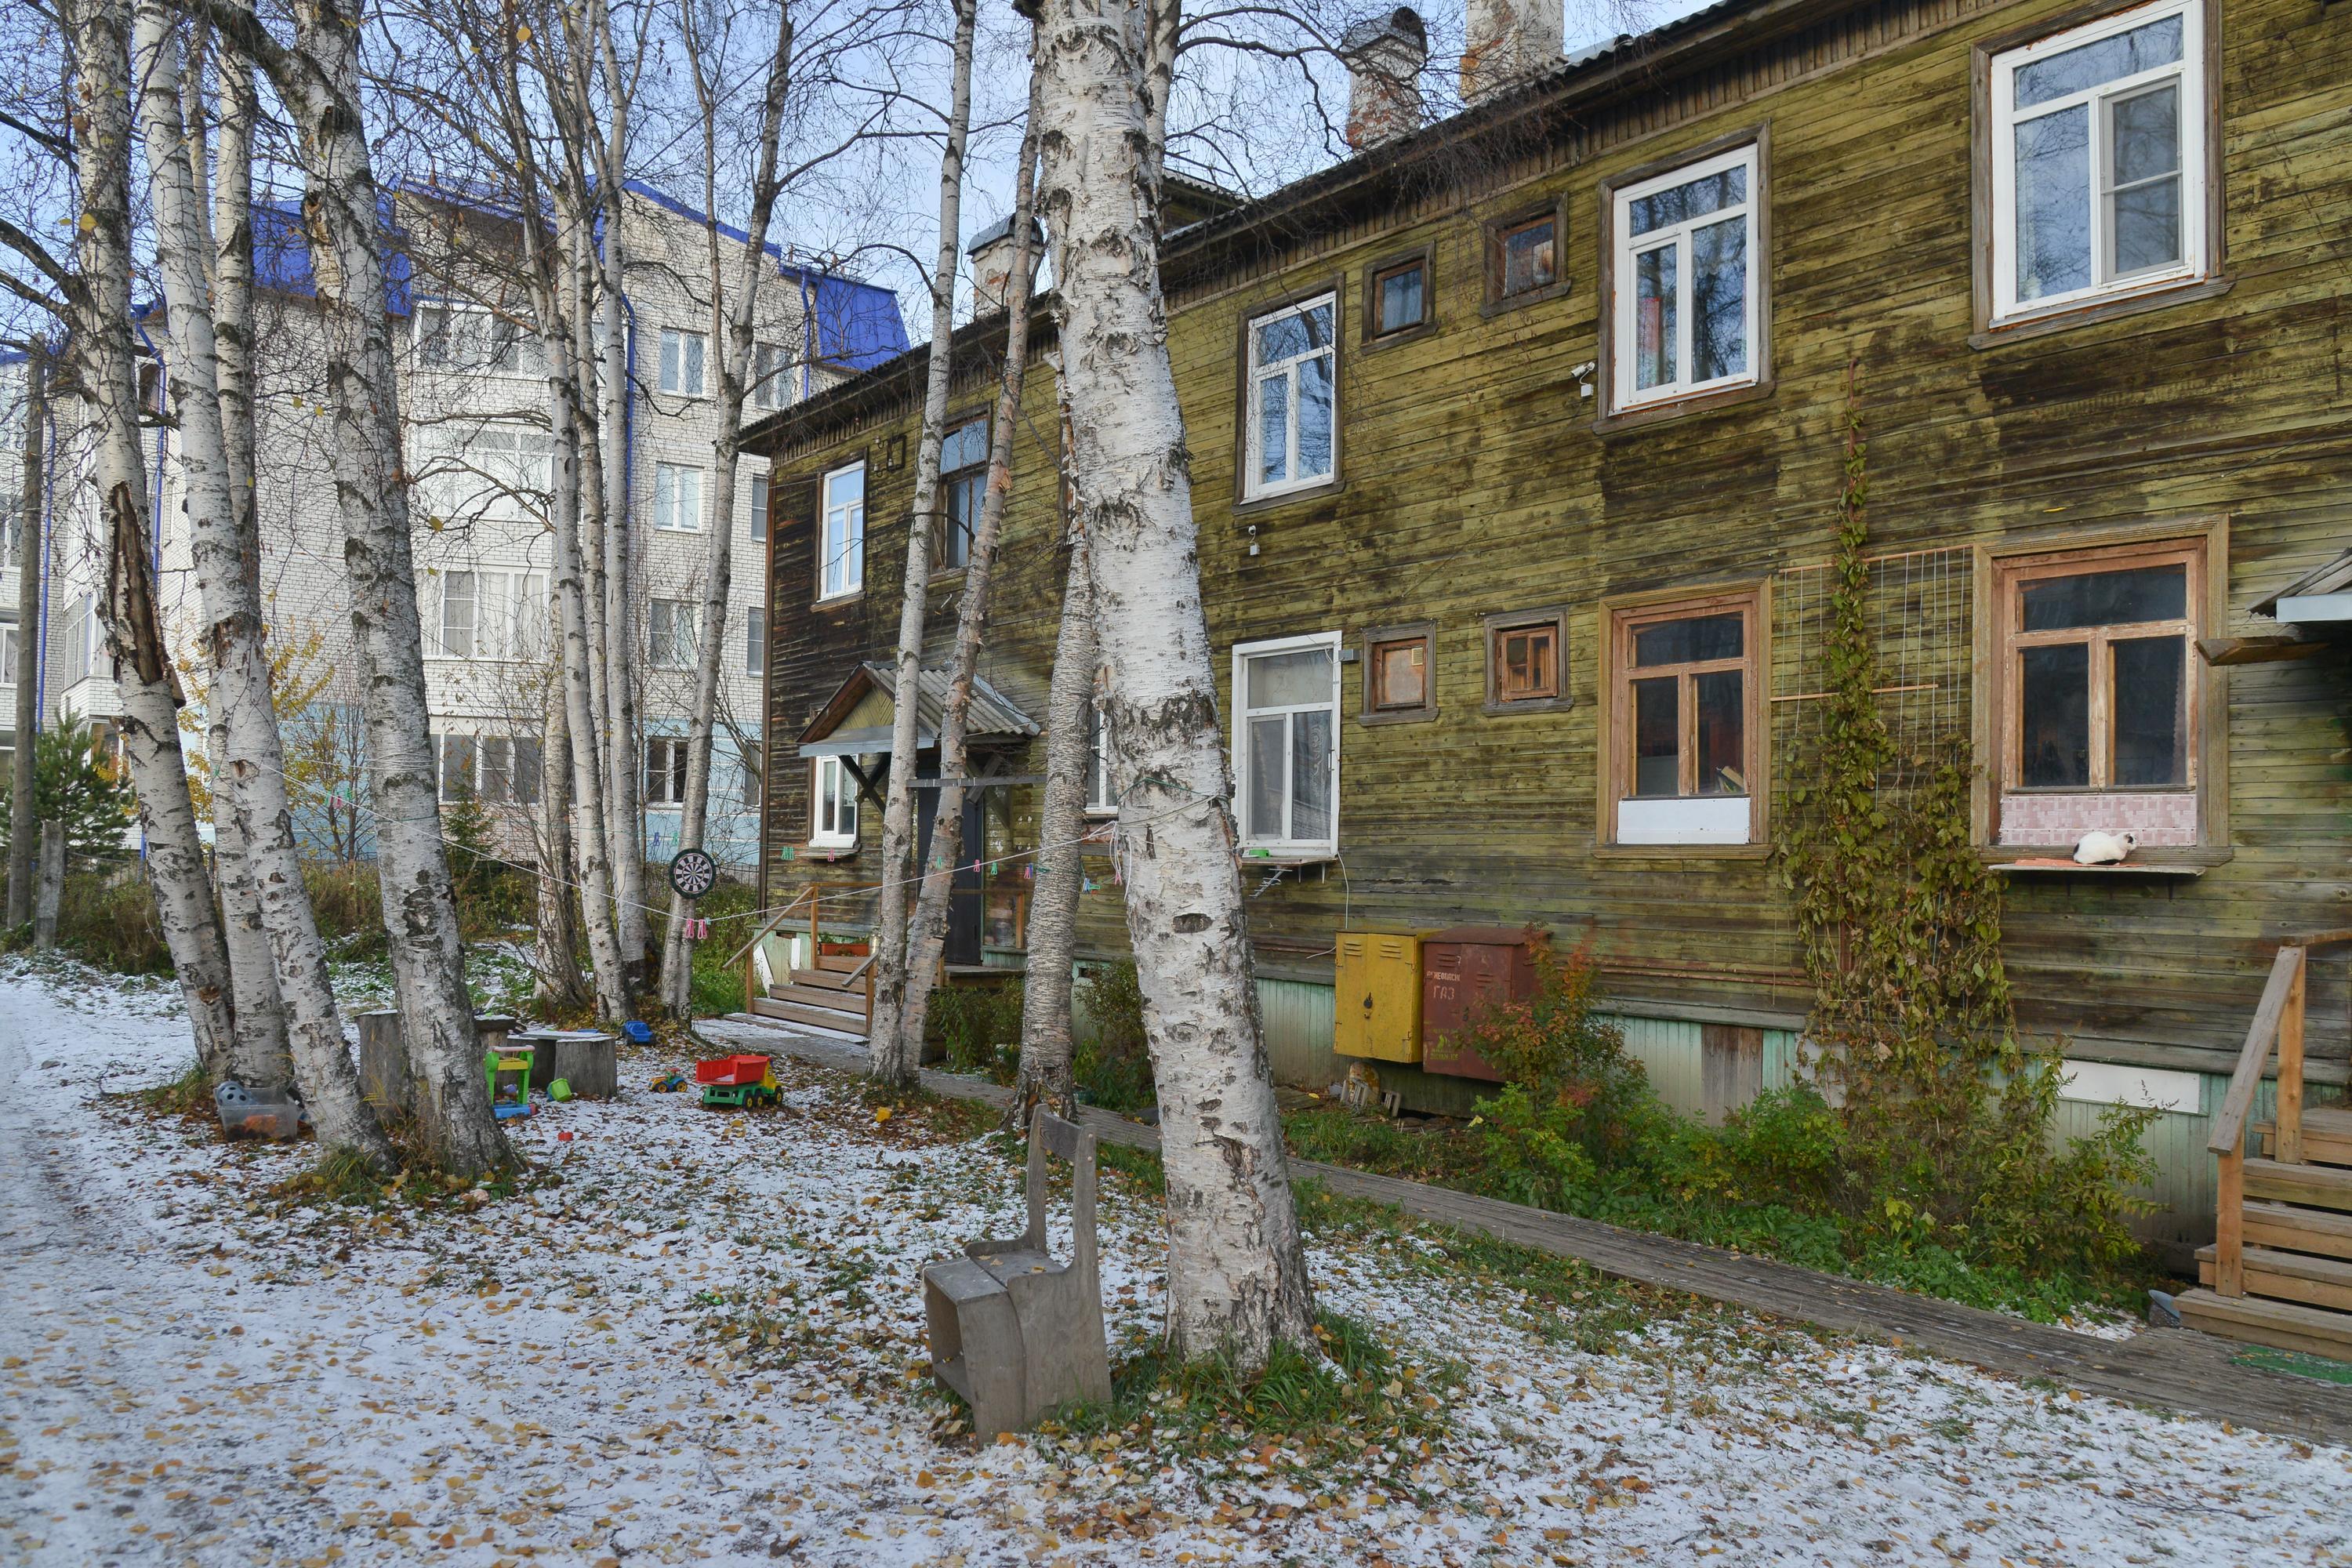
x: 816, y: 901
x: 2289, y: 1118
x: 2228, y: 1227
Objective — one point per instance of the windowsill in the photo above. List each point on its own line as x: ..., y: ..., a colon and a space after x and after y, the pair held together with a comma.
x: 1398, y: 338
x: 2086, y: 313
x: 1259, y: 504
x: 1270, y: 856
x: 1495, y: 709
x: 827, y: 851
x: 1640, y: 416
x: 1681, y: 851
x: 1504, y: 304
x: 1398, y: 716
x: 846, y: 597
x: 2057, y: 860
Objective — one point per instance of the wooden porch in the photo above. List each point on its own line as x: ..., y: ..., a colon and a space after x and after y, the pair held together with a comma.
x: 2279, y: 1271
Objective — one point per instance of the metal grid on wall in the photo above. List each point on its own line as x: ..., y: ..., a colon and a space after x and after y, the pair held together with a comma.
x: 1918, y: 606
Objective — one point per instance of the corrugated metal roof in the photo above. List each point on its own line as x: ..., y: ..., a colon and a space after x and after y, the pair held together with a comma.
x: 992, y: 715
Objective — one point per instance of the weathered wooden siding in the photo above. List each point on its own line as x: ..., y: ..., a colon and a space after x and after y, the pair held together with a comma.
x: 1472, y: 481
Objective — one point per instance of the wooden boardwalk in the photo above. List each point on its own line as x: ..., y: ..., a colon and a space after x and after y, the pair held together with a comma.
x: 2176, y: 1370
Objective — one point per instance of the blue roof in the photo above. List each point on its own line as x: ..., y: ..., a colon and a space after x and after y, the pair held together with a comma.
x: 857, y: 324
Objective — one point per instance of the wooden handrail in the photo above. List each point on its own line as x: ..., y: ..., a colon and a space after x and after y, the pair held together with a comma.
x: 774, y: 921
x: 2286, y: 983
x: 2278, y: 1021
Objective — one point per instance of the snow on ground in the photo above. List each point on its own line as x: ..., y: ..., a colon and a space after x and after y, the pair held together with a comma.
x: 197, y: 1371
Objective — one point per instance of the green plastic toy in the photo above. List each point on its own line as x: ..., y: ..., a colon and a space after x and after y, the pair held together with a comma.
x: 560, y: 1090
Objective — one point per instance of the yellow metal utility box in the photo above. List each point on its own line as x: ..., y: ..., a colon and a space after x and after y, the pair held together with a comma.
x: 1377, y: 1008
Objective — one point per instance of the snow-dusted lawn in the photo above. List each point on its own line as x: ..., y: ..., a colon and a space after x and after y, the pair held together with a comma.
x: 192, y: 1371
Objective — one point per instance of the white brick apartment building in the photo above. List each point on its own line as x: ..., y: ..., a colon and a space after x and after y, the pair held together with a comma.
x: 474, y: 400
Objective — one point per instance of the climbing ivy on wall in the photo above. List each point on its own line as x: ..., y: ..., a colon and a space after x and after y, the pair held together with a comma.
x: 1945, y: 1115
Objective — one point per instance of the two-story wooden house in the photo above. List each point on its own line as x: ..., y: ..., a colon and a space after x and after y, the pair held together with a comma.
x: 1516, y: 446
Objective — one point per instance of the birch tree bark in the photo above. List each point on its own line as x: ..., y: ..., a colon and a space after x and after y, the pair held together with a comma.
x: 1046, y: 1044
x: 558, y: 931
x: 319, y: 80
x: 733, y: 317
x: 891, y: 1057
x: 931, y: 931
x: 225, y: 541
x: 32, y: 555
x: 261, y: 1051
x: 1238, y: 1272
x: 143, y: 677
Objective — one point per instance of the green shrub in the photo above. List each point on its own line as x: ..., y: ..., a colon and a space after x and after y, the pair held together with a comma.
x: 1112, y: 1063
x: 348, y: 902
x: 976, y: 1028
x: 77, y: 783
x: 111, y: 921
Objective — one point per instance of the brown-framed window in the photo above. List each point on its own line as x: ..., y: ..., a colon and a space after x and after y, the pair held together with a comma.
x: 1397, y: 297
x: 1525, y: 256
x: 963, y: 481
x: 1400, y: 674
x: 1685, y: 743
x: 2101, y: 701
x: 1527, y: 660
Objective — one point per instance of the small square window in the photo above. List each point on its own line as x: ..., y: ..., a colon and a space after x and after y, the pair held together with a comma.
x: 1530, y: 261
x: 1527, y: 660
x: 1400, y: 674
x: 1400, y: 296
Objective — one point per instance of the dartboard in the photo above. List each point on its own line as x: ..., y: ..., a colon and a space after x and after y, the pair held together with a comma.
x: 692, y: 873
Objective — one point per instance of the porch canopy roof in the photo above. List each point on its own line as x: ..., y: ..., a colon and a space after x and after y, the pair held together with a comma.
x: 2316, y: 598
x: 856, y: 721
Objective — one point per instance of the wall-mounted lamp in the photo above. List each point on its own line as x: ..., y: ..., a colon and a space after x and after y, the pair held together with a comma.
x: 1583, y: 374
x: 1253, y: 539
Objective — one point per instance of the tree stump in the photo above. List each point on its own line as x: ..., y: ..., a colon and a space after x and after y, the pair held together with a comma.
x: 385, y: 1081
x: 584, y: 1058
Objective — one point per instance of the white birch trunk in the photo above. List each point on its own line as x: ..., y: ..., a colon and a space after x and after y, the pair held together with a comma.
x: 254, y: 779
x: 261, y: 1049
x: 1046, y: 1041
x: 32, y: 554
x: 732, y: 319
x: 320, y: 81
x: 892, y: 1057
x: 931, y: 904
x: 149, y: 724
x: 1238, y: 1273
x: 626, y: 830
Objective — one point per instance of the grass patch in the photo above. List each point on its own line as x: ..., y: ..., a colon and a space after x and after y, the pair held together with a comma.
x: 190, y: 1094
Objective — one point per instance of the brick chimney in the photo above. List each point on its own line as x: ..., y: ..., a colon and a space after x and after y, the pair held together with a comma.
x: 1506, y: 40
x: 1384, y: 57
x: 992, y: 263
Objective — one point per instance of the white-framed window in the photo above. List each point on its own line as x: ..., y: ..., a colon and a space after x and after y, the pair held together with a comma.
x: 755, y: 520
x: 1290, y: 423
x: 78, y: 638
x: 455, y: 336
x: 665, y: 770
x: 1684, y: 280
x: 755, y: 642
x: 841, y: 548
x: 501, y: 470
x: 8, y: 653
x: 682, y: 356
x: 509, y: 769
x: 1286, y: 742
x: 490, y: 613
x: 833, y: 805
x: 672, y: 628
x: 458, y: 778
x: 751, y: 787
x: 677, y: 498
x: 2097, y: 154
x: 1102, y: 800
x: 963, y: 481
x: 772, y: 376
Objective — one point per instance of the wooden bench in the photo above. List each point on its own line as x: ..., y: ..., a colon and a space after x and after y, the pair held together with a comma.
x: 1013, y: 1330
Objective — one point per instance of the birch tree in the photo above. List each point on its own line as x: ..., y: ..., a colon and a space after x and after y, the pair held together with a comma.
x: 98, y: 295
x: 948, y: 846
x: 893, y: 1059
x: 1238, y: 1273
x: 226, y: 540
x: 733, y: 315
x: 317, y: 77
x: 31, y: 555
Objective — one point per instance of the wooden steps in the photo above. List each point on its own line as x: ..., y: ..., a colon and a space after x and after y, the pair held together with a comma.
x: 2326, y: 1135
x: 2285, y: 1325
x: 840, y: 1021
x: 2313, y: 1186
x: 2289, y: 1277
x: 2291, y: 1229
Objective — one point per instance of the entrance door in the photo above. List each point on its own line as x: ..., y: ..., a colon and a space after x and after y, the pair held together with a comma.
x: 964, y: 888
